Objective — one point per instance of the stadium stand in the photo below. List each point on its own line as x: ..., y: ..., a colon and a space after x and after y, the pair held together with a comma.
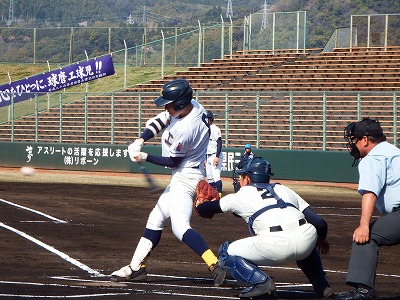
x: 284, y: 99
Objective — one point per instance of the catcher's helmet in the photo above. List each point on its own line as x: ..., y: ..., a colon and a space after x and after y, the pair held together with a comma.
x: 257, y: 168
x: 210, y: 115
x: 177, y: 91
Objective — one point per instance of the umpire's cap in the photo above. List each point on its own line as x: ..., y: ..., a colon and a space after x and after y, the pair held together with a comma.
x: 177, y: 91
x: 366, y: 126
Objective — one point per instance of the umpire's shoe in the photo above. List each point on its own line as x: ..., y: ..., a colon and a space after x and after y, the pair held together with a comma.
x: 218, y: 274
x: 259, y: 289
x: 358, y: 293
x: 127, y: 274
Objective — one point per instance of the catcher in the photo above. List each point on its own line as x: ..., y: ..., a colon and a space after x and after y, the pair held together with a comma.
x: 282, y: 225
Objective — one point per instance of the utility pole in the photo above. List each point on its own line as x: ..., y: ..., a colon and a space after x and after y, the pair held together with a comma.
x: 229, y: 11
x: 144, y: 15
x: 264, y: 22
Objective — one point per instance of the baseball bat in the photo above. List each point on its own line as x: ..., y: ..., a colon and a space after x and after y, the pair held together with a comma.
x: 154, y: 188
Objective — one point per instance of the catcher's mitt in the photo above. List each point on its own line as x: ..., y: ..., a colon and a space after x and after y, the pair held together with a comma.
x: 204, y: 193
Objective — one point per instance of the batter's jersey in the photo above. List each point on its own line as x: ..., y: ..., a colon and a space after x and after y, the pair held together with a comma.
x: 187, y: 137
x: 380, y: 173
x: 248, y: 200
x: 214, y: 136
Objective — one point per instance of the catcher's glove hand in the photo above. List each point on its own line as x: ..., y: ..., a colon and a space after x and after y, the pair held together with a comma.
x: 204, y: 193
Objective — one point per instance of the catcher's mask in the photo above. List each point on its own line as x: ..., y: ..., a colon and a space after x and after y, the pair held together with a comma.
x: 257, y: 168
x: 177, y: 91
x: 355, y: 131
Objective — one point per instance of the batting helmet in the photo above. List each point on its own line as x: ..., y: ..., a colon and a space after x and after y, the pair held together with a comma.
x: 247, y: 146
x: 257, y: 168
x: 210, y: 115
x: 177, y: 91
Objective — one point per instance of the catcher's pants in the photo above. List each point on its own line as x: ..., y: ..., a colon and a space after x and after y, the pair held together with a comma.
x: 273, y: 248
x: 176, y: 202
x: 364, y: 257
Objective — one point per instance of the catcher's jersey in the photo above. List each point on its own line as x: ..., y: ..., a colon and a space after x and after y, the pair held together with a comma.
x: 187, y: 137
x: 248, y: 200
x: 214, y: 136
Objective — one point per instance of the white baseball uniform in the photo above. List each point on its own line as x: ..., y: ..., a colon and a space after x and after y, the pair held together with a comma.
x: 188, y: 138
x: 213, y: 172
x: 293, y: 242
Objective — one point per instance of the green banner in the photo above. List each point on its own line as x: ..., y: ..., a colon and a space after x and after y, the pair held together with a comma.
x: 286, y: 164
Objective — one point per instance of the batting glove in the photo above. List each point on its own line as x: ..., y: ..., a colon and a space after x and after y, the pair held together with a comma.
x: 136, y: 146
x: 138, y: 156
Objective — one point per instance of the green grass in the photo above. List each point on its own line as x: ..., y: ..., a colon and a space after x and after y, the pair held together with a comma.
x: 113, y: 83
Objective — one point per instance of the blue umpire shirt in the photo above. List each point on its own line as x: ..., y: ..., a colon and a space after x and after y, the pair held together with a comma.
x: 379, y: 173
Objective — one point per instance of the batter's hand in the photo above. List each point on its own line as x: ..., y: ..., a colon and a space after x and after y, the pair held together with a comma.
x: 138, y: 156
x: 361, y: 235
x: 323, y: 246
x: 136, y: 146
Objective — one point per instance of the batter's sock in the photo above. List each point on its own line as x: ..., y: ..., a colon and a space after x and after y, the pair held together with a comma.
x: 209, y: 258
x: 196, y: 242
x: 153, y: 235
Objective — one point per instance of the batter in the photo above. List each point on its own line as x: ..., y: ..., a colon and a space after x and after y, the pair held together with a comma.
x: 184, y: 144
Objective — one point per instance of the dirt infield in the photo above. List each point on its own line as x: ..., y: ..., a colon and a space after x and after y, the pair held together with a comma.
x: 62, y: 236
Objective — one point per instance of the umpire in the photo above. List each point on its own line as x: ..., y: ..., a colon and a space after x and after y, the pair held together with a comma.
x: 379, y: 186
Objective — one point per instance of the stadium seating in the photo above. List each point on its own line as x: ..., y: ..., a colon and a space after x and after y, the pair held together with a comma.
x: 282, y: 99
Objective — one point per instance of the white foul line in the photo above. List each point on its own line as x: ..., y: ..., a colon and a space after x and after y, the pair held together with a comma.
x: 35, y: 211
x: 52, y: 249
x: 64, y: 296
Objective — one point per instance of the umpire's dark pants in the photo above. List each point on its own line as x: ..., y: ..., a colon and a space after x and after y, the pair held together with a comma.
x: 385, y: 231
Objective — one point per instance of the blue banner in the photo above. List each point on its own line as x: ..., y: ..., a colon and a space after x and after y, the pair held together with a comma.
x: 56, y: 80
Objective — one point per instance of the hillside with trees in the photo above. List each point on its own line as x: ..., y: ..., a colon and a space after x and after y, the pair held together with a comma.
x: 323, y: 17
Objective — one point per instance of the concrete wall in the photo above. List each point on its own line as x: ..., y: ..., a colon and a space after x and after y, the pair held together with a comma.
x: 327, y: 166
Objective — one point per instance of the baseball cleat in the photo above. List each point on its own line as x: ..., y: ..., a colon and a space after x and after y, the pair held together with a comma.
x: 259, y: 289
x: 127, y: 274
x: 322, y: 288
x: 218, y: 274
x: 358, y: 293
x: 328, y: 293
